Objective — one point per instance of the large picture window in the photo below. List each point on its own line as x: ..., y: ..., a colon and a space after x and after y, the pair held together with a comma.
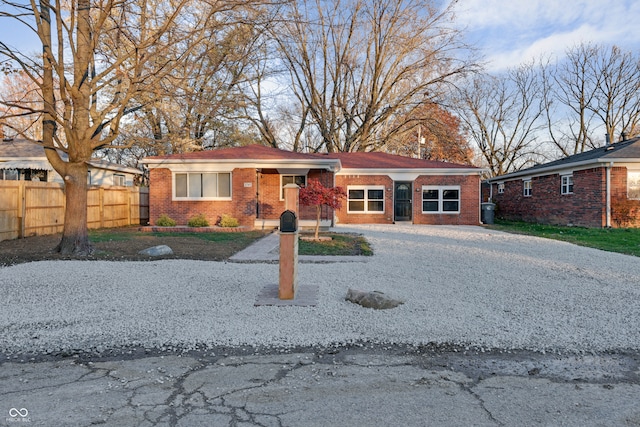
x: 439, y: 199
x: 365, y: 199
x: 300, y: 180
x: 203, y: 185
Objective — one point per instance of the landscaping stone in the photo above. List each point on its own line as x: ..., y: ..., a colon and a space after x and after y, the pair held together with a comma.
x: 372, y: 299
x: 157, y: 251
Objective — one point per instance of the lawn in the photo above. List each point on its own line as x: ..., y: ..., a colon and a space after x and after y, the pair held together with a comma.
x: 622, y: 240
x: 340, y: 244
x: 219, y: 245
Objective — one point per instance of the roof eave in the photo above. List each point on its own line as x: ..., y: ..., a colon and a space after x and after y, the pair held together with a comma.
x: 420, y: 171
x: 550, y: 169
x: 330, y: 164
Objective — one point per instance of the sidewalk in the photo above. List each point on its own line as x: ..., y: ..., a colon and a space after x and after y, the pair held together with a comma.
x: 266, y: 250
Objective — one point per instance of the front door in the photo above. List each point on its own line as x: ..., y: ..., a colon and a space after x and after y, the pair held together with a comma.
x: 402, y: 201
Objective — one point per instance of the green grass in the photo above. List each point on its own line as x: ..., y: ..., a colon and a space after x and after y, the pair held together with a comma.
x: 341, y: 244
x: 124, y: 234
x: 621, y: 240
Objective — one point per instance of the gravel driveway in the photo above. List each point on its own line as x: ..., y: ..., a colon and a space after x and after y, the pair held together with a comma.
x: 461, y: 285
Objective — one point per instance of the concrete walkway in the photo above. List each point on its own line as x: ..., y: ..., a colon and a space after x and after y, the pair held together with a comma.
x: 266, y: 250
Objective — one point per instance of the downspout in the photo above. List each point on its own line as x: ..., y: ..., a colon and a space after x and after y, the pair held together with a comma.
x: 333, y: 217
x: 608, y: 195
x: 258, y: 196
x: 490, y: 191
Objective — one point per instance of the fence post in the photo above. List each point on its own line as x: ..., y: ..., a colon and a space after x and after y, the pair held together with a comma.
x: 22, y: 208
x: 101, y: 206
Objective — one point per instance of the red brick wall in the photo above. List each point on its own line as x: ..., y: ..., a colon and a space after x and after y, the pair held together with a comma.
x: 469, y: 203
x: 469, y: 200
x: 366, y: 218
x: 585, y: 207
x: 624, y: 212
x: 242, y: 206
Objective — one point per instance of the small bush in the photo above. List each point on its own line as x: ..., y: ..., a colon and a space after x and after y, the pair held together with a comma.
x: 198, y: 221
x: 165, y: 221
x: 229, y: 221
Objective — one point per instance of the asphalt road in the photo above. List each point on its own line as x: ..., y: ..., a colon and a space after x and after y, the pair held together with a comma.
x: 356, y: 386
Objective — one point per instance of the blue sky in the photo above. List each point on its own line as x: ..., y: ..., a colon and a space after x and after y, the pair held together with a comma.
x: 510, y: 32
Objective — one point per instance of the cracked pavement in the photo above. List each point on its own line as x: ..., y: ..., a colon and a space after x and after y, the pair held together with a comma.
x: 357, y: 386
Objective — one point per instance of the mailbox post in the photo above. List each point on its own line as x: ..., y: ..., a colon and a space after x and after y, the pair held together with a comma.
x: 289, y: 244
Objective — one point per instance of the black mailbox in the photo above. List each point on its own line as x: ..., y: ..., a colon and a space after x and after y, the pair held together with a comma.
x: 288, y: 222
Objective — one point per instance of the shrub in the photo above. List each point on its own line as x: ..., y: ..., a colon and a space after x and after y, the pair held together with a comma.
x: 229, y: 221
x: 165, y: 221
x: 198, y: 221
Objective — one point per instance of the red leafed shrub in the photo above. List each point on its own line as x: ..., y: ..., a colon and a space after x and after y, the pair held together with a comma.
x: 316, y: 194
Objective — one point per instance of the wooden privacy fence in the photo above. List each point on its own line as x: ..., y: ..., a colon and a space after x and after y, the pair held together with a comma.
x: 32, y: 208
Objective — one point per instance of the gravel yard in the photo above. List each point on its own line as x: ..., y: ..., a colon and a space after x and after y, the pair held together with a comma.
x: 465, y: 286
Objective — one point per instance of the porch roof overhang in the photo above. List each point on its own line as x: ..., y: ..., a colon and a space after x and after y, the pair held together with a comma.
x: 27, y: 164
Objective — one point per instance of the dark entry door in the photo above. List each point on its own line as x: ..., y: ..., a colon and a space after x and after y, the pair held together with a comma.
x: 402, y: 201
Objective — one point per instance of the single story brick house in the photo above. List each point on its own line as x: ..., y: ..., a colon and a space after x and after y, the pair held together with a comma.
x: 596, y: 188
x: 247, y: 183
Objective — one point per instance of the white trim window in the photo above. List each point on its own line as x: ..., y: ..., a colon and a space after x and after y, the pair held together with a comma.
x: 633, y: 185
x: 365, y: 199
x: 202, y: 186
x: 440, y: 199
x: 501, y: 188
x: 566, y: 186
x: 300, y: 180
x: 526, y: 188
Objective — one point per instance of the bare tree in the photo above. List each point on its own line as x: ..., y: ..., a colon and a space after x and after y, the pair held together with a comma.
x: 17, y: 90
x: 616, y: 76
x: 97, y: 56
x: 502, y: 115
x: 569, y: 89
x: 201, y: 103
x: 356, y: 63
x: 594, y: 88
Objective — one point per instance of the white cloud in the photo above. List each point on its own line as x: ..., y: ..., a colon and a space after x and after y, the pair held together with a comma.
x: 516, y: 31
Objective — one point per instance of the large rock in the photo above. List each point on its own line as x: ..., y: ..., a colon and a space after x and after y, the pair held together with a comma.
x: 372, y: 299
x: 157, y: 251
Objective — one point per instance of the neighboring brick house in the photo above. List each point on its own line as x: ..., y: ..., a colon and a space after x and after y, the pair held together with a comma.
x: 247, y: 182
x: 597, y: 188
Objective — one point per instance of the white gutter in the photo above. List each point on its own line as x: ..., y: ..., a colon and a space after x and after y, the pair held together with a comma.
x: 608, y: 203
x: 415, y: 171
x: 329, y: 164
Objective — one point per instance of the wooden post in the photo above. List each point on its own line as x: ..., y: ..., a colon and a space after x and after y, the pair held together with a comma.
x: 101, y: 206
x: 22, y: 208
x: 289, y: 248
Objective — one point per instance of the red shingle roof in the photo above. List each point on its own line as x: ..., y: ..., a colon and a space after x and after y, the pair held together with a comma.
x: 356, y: 160
x: 259, y: 152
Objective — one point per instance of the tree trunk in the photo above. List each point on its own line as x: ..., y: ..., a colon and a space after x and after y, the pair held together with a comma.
x: 75, y: 237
